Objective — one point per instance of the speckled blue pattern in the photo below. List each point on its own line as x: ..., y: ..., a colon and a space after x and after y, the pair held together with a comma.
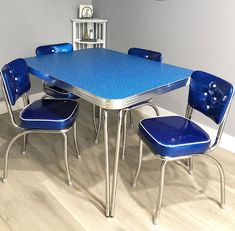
x: 49, y: 89
x: 105, y: 73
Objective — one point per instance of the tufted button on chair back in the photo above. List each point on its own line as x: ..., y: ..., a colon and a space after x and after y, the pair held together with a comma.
x: 15, y: 80
x: 144, y: 53
x: 54, y: 48
x: 210, y: 95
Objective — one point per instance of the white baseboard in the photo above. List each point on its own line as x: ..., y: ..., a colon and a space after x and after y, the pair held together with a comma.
x: 227, y: 141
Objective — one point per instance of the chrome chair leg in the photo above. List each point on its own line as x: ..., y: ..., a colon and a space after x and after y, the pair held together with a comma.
x: 98, y: 126
x: 160, y: 193
x: 124, y: 134
x: 93, y: 117
x: 150, y: 104
x: 24, y: 144
x: 5, y: 170
x: 222, y: 179
x: 154, y: 108
x: 139, y: 163
x: 131, y: 119
x: 66, y: 158
x: 75, y: 140
x: 190, y: 166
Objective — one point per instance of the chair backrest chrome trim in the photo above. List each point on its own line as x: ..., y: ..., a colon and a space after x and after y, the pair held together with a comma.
x: 210, y: 94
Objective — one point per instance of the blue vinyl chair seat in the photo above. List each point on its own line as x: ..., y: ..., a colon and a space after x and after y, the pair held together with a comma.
x: 57, y: 92
x: 49, y: 114
x: 173, y: 136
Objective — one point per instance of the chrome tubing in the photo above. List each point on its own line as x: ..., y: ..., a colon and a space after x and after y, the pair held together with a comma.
x: 139, y: 163
x: 107, y: 173
x: 116, y: 159
x: 160, y: 193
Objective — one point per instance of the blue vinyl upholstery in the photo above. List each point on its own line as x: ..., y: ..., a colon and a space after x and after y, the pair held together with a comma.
x: 16, y: 79
x: 49, y: 114
x: 41, y: 116
x: 177, y: 136
x: 49, y: 89
x: 58, y: 93
x: 147, y: 54
x: 174, y: 136
x: 210, y: 95
x: 54, y: 48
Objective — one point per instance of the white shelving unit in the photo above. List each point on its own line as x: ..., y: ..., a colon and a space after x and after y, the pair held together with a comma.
x: 81, y: 29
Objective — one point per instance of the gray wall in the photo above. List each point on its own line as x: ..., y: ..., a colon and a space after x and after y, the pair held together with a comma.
x: 194, y: 34
x: 26, y: 24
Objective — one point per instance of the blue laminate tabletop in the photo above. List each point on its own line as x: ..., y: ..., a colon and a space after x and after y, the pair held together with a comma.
x: 104, y: 76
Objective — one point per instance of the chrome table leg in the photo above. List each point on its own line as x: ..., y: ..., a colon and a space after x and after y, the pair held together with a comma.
x: 116, y: 159
x: 124, y: 134
x: 107, y: 173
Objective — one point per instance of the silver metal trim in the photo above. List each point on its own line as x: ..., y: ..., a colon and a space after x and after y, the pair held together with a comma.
x: 115, y: 104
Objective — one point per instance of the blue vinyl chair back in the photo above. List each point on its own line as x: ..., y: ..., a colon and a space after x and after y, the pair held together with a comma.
x: 210, y: 95
x: 147, y: 54
x: 15, y: 79
x: 54, y: 48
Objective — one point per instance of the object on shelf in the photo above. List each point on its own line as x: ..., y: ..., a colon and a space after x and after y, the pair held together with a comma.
x: 86, y: 11
x: 85, y: 35
x: 91, y: 34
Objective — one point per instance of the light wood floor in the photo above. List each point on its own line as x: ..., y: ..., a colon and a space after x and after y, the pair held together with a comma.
x: 37, y: 198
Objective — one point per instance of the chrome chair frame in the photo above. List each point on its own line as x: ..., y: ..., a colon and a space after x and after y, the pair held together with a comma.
x: 44, y: 84
x: 148, y: 103
x: 165, y: 160
x: 29, y: 131
x: 61, y: 48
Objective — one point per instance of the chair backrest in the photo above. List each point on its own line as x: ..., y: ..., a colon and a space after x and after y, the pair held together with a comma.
x: 54, y: 48
x: 16, y: 81
x: 210, y: 95
x: 147, y: 54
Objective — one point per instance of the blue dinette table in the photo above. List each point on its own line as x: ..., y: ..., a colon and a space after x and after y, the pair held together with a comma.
x: 112, y: 81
